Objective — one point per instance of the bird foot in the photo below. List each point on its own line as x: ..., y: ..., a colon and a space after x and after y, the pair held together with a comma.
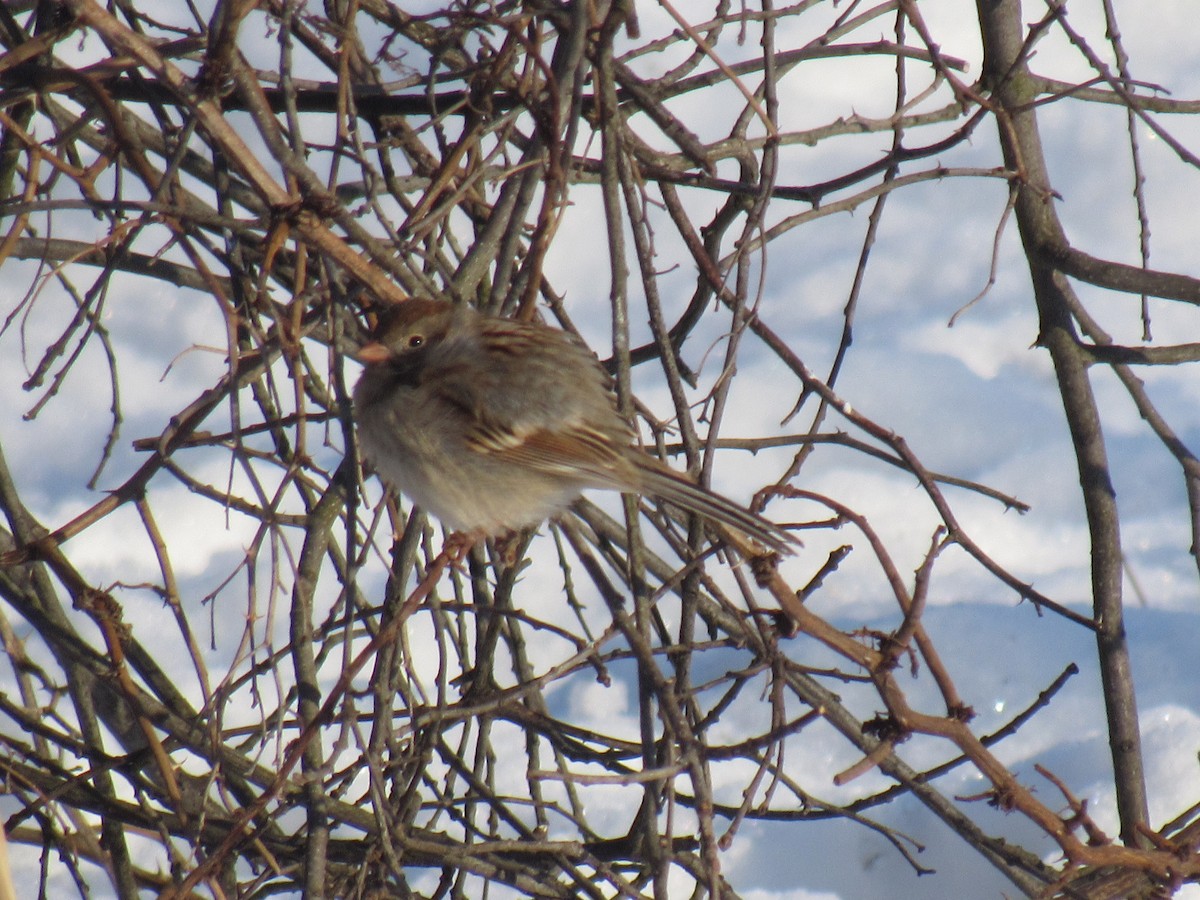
x: 458, y: 544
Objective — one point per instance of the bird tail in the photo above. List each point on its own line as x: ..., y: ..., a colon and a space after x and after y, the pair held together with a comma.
x: 664, y: 482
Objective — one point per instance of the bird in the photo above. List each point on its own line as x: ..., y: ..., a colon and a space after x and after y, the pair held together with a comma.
x: 495, y: 425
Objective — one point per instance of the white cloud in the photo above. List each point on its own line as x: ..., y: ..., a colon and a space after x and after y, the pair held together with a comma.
x: 984, y: 346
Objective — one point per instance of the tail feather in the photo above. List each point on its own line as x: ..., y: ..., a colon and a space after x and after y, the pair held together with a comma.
x: 669, y: 485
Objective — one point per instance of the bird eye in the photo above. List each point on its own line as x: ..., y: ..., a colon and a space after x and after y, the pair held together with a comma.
x: 416, y: 341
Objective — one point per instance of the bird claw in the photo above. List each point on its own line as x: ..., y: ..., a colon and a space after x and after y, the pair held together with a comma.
x: 508, y: 547
x: 458, y: 545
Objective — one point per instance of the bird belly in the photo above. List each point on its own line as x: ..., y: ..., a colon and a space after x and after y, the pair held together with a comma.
x: 467, y: 491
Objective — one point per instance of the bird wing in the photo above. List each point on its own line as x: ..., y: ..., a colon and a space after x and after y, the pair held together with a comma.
x: 569, y: 450
x: 535, y: 397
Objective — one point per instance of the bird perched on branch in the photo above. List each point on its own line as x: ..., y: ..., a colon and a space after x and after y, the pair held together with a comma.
x: 494, y: 425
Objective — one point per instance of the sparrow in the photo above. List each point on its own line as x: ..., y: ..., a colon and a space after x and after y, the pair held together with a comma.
x: 494, y: 425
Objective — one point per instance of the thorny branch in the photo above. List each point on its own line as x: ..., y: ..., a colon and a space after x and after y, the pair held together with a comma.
x: 411, y: 709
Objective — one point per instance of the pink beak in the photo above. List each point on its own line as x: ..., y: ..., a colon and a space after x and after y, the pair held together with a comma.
x: 371, y: 353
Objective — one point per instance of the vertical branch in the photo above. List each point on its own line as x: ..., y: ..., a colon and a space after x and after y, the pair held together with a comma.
x: 1135, y: 156
x: 1007, y: 73
x: 612, y: 149
x: 321, y: 520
